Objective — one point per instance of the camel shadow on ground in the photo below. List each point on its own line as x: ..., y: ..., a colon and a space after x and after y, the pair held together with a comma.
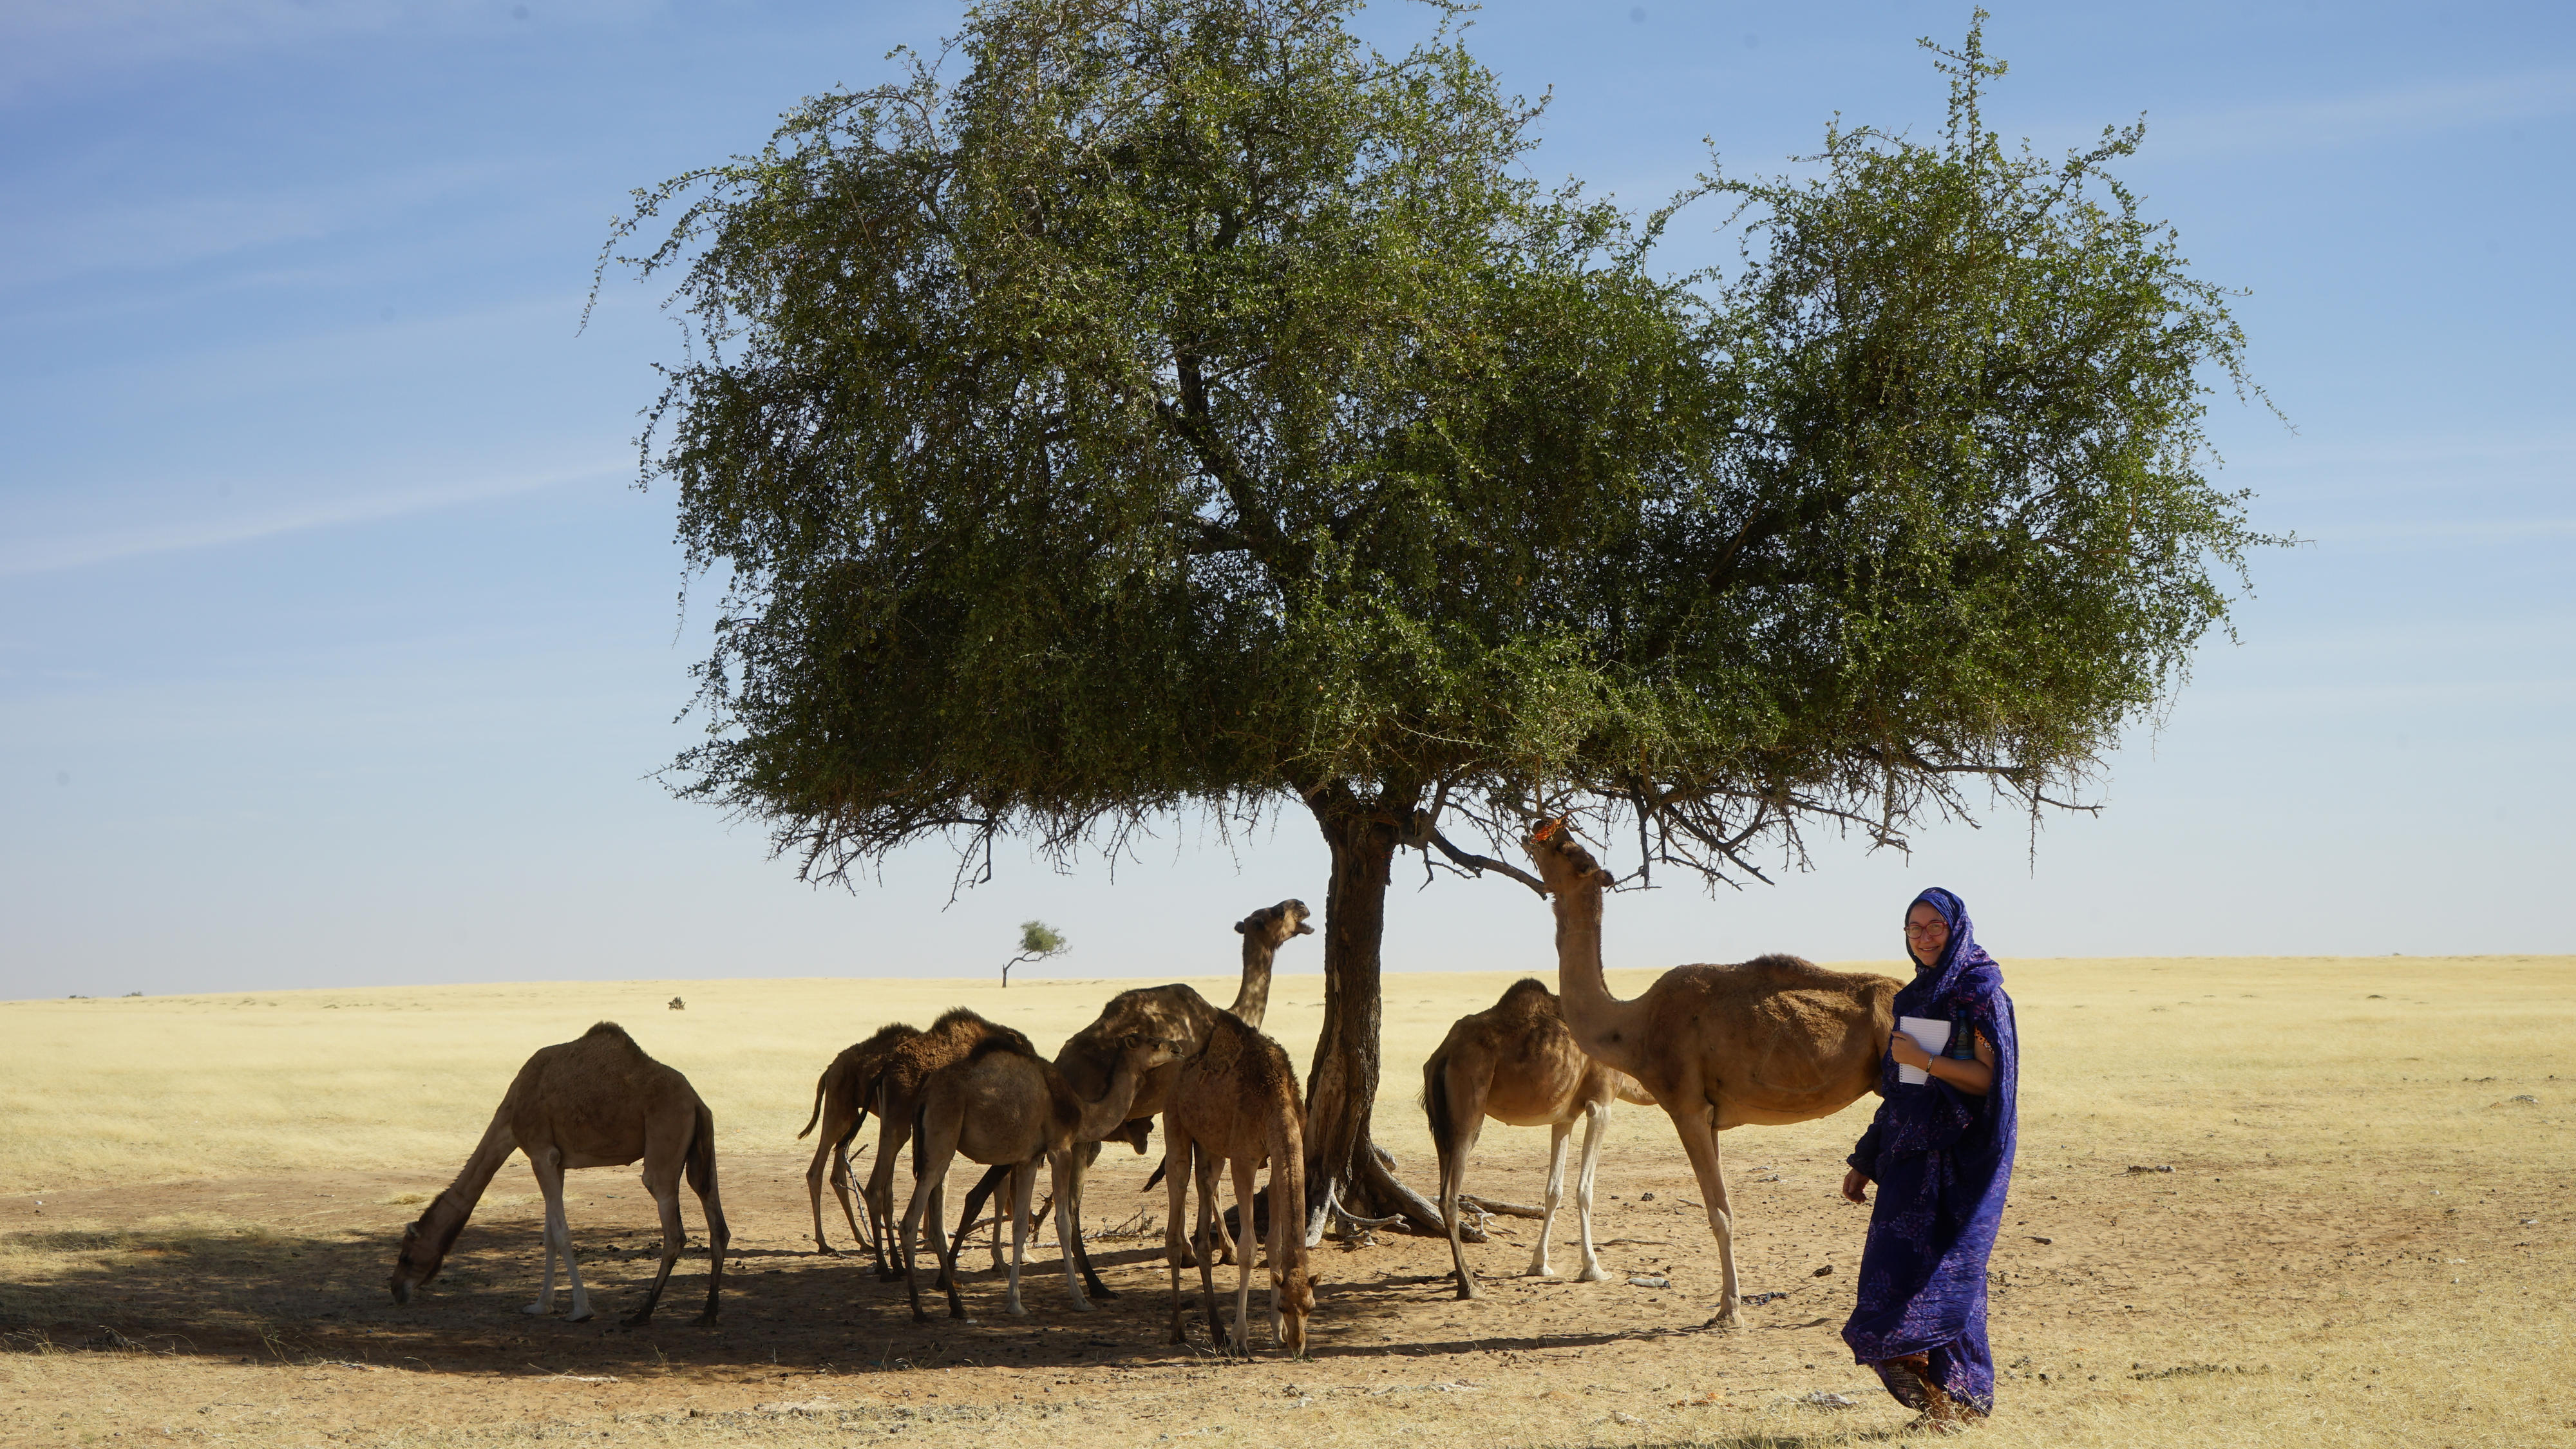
x: 322, y: 1297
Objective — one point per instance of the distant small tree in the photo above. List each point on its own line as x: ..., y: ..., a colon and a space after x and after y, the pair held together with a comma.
x: 1038, y: 941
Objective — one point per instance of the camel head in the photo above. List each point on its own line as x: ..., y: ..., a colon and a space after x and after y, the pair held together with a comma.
x: 1273, y: 925
x: 1562, y: 862
x: 417, y: 1263
x: 1148, y: 1052
x: 1296, y: 1301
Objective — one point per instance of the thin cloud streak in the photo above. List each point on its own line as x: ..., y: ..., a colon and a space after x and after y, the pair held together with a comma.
x: 2351, y: 120
x: 54, y: 555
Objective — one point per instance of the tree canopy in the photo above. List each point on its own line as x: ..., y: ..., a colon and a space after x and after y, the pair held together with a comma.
x: 1190, y: 406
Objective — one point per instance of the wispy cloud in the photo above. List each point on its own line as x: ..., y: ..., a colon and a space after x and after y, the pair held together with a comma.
x: 58, y: 44
x: 2329, y: 121
x: 22, y: 556
x: 39, y: 248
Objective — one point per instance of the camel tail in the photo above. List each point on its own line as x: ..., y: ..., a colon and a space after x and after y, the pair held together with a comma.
x: 920, y: 1147
x: 702, y: 1152
x: 1159, y: 1168
x: 820, y: 1083
x: 1435, y: 1105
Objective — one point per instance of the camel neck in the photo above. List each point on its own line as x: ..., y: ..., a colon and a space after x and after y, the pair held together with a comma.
x: 1100, y: 1118
x: 445, y: 1216
x: 1600, y: 1022
x: 1252, y: 998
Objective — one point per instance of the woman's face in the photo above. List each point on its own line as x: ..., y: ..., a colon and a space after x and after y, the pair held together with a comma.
x: 1925, y: 933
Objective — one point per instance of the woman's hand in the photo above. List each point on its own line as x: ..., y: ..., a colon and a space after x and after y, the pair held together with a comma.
x: 1907, y: 1051
x: 1856, y: 1186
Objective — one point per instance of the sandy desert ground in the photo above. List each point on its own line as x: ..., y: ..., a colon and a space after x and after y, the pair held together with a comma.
x: 2364, y: 1237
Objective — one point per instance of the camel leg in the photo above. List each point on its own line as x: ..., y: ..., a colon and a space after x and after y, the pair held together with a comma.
x: 1176, y: 1187
x: 827, y: 1158
x: 1243, y: 1190
x: 892, y: 1134
x: 1596, y: 1127
x: 1023, y: 1185
x: 549, y: 1172
x: 1694, y: 1122
x: 1061, y: 1167
x: 1557, y: 1134
x: 945, y: 1248
x: 1084, y: 1154
x: 664, y: 1184
x: 1206, y: 1174
x: 1453, y: 1181
x: 922, y: 1187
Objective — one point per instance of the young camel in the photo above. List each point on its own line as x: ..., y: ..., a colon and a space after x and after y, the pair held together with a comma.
x: 595, y: 1102
x: 841, y: 1097
x: 1002, y: 1105
x: 895, y: 1096
x: 1175, y: 1011
x: 1236, y: 1101
x: 1773, y: 1040
x: 1516, y: 1063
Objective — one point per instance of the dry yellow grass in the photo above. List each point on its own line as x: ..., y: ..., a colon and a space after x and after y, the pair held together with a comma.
x: 2365, y: 1239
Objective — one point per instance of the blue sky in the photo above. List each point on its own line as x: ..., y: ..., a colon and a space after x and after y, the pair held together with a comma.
x: 336, y: 646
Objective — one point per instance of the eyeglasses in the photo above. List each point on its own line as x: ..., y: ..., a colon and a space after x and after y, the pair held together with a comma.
x: 1925, y: 928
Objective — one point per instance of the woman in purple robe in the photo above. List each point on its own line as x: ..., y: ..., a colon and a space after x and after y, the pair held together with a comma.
x: 1941, y: 1152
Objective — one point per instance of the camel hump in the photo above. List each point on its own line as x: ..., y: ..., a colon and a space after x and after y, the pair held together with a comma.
x: 1001, y: 1041
x: 608, y: 1029
x: 957, y: 1016
x: 1529, y: 995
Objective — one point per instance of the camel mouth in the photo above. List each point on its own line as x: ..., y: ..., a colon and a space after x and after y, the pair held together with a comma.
x: 402, y: 1293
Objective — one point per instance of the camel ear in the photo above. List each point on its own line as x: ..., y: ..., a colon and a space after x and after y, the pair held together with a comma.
x: 1604, y: 879
x: 1240, y: 925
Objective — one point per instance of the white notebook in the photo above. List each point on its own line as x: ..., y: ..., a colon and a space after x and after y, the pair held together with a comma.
x: 1932, y: 1034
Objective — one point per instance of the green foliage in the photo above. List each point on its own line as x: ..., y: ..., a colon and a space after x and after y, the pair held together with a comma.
x: 1038, y: 940
x: 1191, y: 406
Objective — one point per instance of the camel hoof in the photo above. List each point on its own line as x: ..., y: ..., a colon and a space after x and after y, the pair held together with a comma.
x: 827, y: 1250
x: 1540, y: 1270
x: 535, y: 1310
x: 583, y: 1316
x: 1592, y: 1274
x: 1098, y: 1290
x: 1726, y: 1318
x: 1468, y: 1289
x: 638, y: 1320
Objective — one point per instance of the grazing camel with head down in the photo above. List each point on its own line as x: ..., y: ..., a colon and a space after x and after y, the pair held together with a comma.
x: 1516, y: 1063
x: 841, y: 1097
x: 1176, y: 1012
x: 1236, y: 1102
x: 1771, y: 1041
x: 595, y: 1102
x: 1004, y: 1106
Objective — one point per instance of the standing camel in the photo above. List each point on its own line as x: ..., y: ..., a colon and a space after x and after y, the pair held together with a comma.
x: 1004, y: 1106
x: 1236, y: 1102
x: 594, y: 1102
x: 1516, y: 1063
x: 841, y: 1097
x: 896, y: 1099
x: 1177, y: 1012
x: 1773, y: 1040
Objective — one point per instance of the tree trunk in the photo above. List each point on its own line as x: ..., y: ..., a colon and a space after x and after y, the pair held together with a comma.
x: 1341, y: 1088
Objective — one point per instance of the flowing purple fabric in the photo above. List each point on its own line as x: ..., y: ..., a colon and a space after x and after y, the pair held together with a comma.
x: 1942, y: 1161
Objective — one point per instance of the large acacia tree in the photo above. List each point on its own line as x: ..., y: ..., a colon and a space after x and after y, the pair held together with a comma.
x: 1153, y: 406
